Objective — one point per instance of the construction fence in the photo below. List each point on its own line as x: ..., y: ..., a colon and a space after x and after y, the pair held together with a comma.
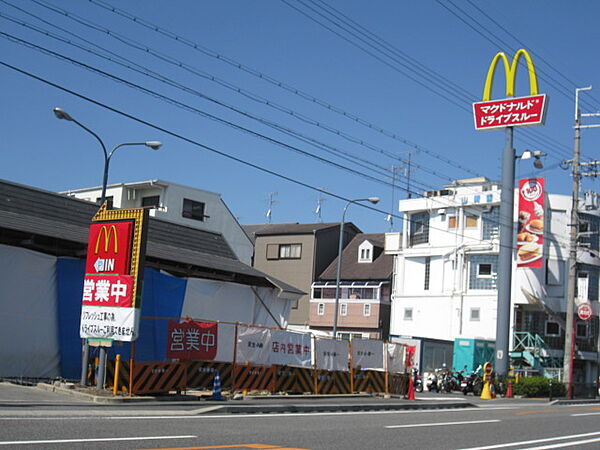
x: 258, y: 358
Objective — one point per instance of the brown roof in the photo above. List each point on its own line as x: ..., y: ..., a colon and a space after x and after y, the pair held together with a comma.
x: 269, y: 229
x: 380, y: 269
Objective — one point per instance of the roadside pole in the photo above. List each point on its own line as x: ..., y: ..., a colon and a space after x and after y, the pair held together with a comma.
x: 570, y: 338
x: 507, y: 195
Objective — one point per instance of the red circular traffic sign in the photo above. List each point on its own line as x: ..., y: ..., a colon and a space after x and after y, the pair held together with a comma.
x: 584, y: 311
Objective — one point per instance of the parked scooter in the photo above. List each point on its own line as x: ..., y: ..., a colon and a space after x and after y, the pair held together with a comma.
x: 417, y: 382
x: 432, y: 382
x: 473, y: 383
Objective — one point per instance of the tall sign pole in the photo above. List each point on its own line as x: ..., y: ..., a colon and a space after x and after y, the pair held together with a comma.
x: 508, y: 113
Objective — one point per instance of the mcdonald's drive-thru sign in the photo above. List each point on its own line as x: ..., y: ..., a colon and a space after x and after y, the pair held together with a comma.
x: 111, y: 300
x: 514, y: 111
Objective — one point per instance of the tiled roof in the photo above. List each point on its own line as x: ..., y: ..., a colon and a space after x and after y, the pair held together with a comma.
x: 380, y: 269
x: 268, y: 229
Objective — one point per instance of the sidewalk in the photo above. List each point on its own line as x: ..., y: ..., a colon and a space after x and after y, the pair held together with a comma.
x: 196, y: 402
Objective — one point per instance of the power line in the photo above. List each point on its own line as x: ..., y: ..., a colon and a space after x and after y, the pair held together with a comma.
x: 269, y: 79
x: 211, y: 149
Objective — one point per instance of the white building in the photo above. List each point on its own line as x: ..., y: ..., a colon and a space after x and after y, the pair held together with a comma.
x: 180, y: 204
x: 445, y: 277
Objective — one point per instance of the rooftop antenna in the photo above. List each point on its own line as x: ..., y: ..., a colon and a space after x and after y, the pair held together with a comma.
x: 319, y: 209
x: 270, y: 202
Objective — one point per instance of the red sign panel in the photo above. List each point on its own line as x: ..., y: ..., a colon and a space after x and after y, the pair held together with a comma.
x: 510, y: 112
x: 192, y: 340
x: 108, y: 290
x: 109, y: 248
x: 530, y: 234
x: 584, y: 311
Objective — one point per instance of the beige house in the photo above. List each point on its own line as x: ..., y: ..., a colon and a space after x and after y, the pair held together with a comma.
x: 297, y: 254
x: 364, y: 293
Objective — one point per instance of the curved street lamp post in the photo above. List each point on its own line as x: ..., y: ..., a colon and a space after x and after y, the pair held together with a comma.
x: 154, y: 145
x: 373, y: 200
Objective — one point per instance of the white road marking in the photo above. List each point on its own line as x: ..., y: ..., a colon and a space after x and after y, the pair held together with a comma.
x: 586, y: 414
x: 534, y: 441
x: 66, y: 441
x: 566, y: 444
x: 439, y: 424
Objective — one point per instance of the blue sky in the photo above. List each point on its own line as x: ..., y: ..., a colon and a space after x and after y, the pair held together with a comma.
x: 429, y: 113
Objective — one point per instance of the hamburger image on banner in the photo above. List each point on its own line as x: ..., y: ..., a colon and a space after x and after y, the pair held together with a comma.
x: 530, y: 231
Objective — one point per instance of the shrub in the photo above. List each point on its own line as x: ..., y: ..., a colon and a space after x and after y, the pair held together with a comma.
x: 538, y: 387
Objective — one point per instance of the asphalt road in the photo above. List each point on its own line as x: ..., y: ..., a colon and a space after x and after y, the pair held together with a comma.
x: 33, y: 419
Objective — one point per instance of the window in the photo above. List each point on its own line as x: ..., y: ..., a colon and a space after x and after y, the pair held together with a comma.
x: 471, y: 221
x: 365, y: 253
x: 582, y: 330
x: 427, y: 272
x: 419, y: 228
x: 290, y: 251
x: 367, y: 310
x: 408, y: 314
x: 475, y: 314
x: 321, y: 309
x: 350, y: 336
x: 344, y: 309
x: 109, y: 201
x: 152, y: 201
x: 552, y: 328
x: 484, y: 270
x: 193, y: 210
x: 452, y: 222
x: 284, y: 251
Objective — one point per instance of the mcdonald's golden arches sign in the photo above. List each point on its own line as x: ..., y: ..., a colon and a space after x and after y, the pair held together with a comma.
x: 513, y: 111
x: 111, y: 300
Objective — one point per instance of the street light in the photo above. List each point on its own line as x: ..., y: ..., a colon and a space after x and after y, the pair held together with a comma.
x: 537, y: 154
x: 154, y: 145
x: 373, y: 200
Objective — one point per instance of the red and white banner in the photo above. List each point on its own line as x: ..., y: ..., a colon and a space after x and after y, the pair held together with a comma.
x: 396, y: 358
x: 290, y: 349
x: 368, y: 354
x: 510, y: 112
x: 530, y: 232
x: 109, y: 322
x: 253, y: 345
x: 332, y: 354
x: 108, y: 290
x: 192, y: 340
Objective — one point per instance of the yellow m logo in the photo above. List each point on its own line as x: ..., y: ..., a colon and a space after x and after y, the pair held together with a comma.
x: 511, y: 74
x: 107, y: 233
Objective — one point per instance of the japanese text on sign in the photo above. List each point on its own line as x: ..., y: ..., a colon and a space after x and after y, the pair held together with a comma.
x: 192, y: 340
x: 509, y: 112
x: 107, y: 290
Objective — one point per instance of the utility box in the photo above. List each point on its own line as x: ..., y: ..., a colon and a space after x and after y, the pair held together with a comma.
x: 470, y: 353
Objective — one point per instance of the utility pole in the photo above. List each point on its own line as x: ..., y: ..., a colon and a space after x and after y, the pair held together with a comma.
x: 570, y: 338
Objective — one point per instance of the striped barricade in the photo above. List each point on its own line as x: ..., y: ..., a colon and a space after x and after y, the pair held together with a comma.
x: 333, y: 382
x: 253, y: 378
x: 157, y: 377
x: 201, y: 374
x: 398, y: 383
x: 123, y: 379
x: 369, y: 381
x: 293, y: 380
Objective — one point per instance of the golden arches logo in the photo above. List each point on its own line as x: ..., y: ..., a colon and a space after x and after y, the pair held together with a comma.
x: 107, y: 232
x: 511, y: 74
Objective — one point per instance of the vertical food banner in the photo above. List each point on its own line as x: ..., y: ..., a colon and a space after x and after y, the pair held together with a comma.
x: 530, y: 232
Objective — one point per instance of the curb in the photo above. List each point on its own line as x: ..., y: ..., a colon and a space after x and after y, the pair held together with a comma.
x: 73, y: 392
x: 582, y: 401
x: 275, y: 409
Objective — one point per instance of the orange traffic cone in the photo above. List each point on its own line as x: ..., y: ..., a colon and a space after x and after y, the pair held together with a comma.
x: 509, y: 393
x: 411, y: 389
